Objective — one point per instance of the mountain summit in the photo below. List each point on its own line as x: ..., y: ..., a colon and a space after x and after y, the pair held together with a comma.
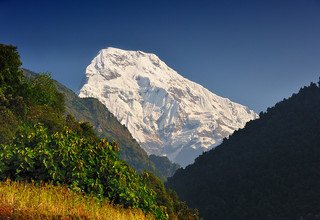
x: 165, y: 112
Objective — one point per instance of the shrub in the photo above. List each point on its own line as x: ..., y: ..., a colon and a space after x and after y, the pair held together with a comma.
x: 85, y: 164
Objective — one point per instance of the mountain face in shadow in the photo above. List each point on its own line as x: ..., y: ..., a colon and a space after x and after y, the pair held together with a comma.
x: 268, y: 170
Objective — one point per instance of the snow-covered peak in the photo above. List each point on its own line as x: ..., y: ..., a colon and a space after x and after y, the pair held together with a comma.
x: 167, y: 113
x: 118, y: 60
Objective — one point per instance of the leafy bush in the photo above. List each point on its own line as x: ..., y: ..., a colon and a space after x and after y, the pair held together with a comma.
x: 85, y: 164
x: 9, y: 123
x: 42, y: 91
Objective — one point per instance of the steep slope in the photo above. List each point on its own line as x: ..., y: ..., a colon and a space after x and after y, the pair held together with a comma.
x: 268, y: 170
x: 106, y: 125
x: 166, y: 113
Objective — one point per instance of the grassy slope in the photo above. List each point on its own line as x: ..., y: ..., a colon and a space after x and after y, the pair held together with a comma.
x: 27, y: 201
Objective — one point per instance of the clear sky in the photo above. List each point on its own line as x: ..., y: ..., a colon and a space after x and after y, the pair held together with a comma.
x: 253, y: 52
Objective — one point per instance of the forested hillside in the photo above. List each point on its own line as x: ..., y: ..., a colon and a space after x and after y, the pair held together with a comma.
x: 40, y: 143
x: 268, y: 170
x: 106, y: 125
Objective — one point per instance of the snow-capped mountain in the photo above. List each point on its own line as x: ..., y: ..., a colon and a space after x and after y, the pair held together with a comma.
x: 165, y: 112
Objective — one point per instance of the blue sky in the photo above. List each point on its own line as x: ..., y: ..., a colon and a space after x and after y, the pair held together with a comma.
x: 253, y: 52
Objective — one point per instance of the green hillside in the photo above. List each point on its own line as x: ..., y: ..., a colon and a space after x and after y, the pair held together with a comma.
x: 106, y: 125
x: 268, y: 170
x: 40, y: 143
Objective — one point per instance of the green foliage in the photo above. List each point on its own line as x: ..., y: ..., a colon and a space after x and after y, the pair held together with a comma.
x: 11, y: 77
x: 165, y: 168
x: 9, y: 124
x: 85, y: 164
x: 268, y: 170
x: 169, y: 199
x: 83, y: 128
x: 46, y: 115
x: 45, y: 103
x: 12, y: 86
x: 42, y: 91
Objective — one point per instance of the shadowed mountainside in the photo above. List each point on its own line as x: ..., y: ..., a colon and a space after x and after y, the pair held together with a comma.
x: 268, y: 170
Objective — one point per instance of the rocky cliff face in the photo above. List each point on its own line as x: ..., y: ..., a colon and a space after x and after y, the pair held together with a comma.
x: 165, y: 112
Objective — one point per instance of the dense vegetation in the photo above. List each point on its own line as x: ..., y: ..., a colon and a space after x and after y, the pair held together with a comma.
x: 106, y: 125
x: 268, y: 170
x: 40, y: 143
x: 164, y: 166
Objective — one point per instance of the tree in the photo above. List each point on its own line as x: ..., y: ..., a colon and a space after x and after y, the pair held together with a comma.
x: 11, y: 76
x: 42, y: 91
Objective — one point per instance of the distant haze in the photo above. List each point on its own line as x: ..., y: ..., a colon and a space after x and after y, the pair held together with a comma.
x: 254, y: 52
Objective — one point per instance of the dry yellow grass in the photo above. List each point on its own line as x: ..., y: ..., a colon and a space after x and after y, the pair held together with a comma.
x: 20, y: 200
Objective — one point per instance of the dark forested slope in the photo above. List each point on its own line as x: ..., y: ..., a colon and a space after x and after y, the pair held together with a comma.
x: 268, y: 170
